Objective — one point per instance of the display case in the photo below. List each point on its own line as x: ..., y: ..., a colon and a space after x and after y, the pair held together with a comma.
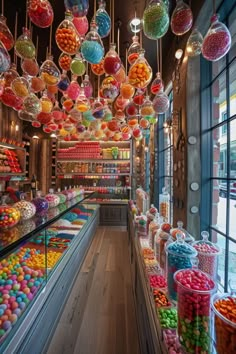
x: 39, y: 260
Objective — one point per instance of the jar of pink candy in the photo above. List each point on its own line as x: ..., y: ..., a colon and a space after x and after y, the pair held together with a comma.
x: 53, y: 199
x: 207, y: 255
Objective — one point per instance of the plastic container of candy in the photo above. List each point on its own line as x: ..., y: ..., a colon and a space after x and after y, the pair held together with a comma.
x: 103, y: 20
x: 92, y: 47
x: 167, y: 317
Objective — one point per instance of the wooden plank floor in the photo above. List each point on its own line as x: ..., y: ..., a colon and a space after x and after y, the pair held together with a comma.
x: 99, y: 316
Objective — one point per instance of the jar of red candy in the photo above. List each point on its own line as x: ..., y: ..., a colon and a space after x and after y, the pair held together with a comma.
x: 161, y: 102
x: 181, y: 19
x: 157, y: 84
x: 217, y: 41
x: 30, y: 67
x: 140, y: 73
x: 6, y: 36
x: 67, y: 37
x: 224, y: 307
x: 112, y: 62
x: 194, y: 291
x: 40, y: 13
x: 9, y: 216
x: 133, y: 51
x: 208, y: 254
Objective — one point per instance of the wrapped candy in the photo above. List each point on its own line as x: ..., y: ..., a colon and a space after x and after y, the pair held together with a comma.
x: 103, y: 20
x: 24, y: 47
x: 194, y: 44
x: 6, y: 36
x: 49, y: 72
x: 88, y: 88
x: 181, y: 19
x: 127, y: 90
x: 98, y: 69
x: 40, y: 13
x: 161, y: 102
x: 67, y: 37
x: 133, y: 51
x: 30, y: 67
x: 157, y: 84
x: 92, y: 47
x: 64, y: 83
x: 81, y: 24
x: 77, y: 65
x: 155, y: 19
x: 217, y: 41
x: 140, y: 73
x: 20, y: 87
x: 73, y: 90
x: 5, y: 59
x: 78, y: 8
x: 112, y: 62
x: 32, y: 104
x: 64, y: 61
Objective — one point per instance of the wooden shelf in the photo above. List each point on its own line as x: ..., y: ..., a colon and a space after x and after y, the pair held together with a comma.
x: 92, y: 174
x: 9, y: 146
x: 94, y: 160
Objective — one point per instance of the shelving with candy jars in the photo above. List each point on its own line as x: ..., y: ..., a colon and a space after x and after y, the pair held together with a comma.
x: 12, y: 159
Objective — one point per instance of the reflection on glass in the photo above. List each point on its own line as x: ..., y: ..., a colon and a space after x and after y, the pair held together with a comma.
x: 232, y: 210
x: 219, y: 138
x: 233, y: 150
x: 232, y: 88
x: 232, y: 261
x: 232, y: 29
x: 219, y: 104
x: 220, y: 240
x: 219, y: 205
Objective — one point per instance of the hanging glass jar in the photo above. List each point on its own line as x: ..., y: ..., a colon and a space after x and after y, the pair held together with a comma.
x: 181, y: 19
x: 49, y: 72
x: 112, y: 62
x: 40, y: 13
x: 98, y: 69
x: 131, y: 110
x: 139, y: 97
x: 120, y: 76
x: 32, y: 104
x: 140, y: 73
x: 109, y: 88
x: 44, y: 118
x: 46, y: 103
x: 194, y: 44
x: 30, y: 67
x: 78, y: 8
x: 88, y: 88
x: 147, y: 109
x: 82, y: 103
x: 92, y: 47
x: 67, y: 38
x: 73, y: 90
x: 77, y: 65
x: 157, y: 84
x: 24, y: 47
x: 20, y: 87
x: 133, y: 51
x: 127, y: 90
x: 64, y: 83
x: 98, y: 109
x: 81, y: 24
x: 37, y: 84
x: 6, y: 36
x: 155, y: 19
x: 103, y: 20
x: 10, y: 75
x: 161, y: 102
x: 10, y: 99
x: 26, y: 116
x: 217, y: 41
x: 121, y: 103
x: 5, y: 59
x: 64, y: 61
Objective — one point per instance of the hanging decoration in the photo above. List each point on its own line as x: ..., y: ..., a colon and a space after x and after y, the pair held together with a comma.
x: 98, y: 69
x: 64, y: 82
x: 157, y: 83
x: 147, y: 110
x: 73, y: 90
x: 103, y: 20
x: 217, y: 41
x: 133, y: 50
x: 140, y: 73
x: 5, y: 59
x: 64, y: 61
x: 49, y: 72
x: 127, y: 90
x: 40, y: 13
x: 88, y: 88
x: 77, y: 66
x: 67, y: 38
x: 112, y: 62
x: 6, y: 36
x: 30, y: 67
x: 92, y: 47
x: 24, y: 47
x: 78, y: 8
x: 20, y: 87
x: 161, y: 102
x: 194, y: 44
x: 32, y: 104
x: 181, y: 19
x: 155, y: 19
x: 109, y: 88
x: 81, y: 24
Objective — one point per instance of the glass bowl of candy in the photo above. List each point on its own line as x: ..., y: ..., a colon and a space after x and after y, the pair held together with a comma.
x: 9, y: 216
x: 27, y: 209
x: 52, y: 198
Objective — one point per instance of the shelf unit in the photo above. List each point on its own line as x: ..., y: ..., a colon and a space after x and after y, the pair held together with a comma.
x: 8, y: 161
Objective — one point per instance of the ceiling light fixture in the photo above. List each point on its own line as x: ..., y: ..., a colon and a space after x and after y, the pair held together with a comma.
x: 35, y: 137
x: 53, y: 135
x: 178, y: 54
x: 135, y: 24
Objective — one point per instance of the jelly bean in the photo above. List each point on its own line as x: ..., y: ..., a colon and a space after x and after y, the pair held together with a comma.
x: 160, y: 298
x: 168, y: 317
x: 67, y: 39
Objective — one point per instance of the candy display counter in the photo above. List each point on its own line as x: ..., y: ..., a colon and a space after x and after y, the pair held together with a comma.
x: 40, y: 259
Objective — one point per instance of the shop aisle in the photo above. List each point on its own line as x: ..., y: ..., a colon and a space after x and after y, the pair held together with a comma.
x: 99, y: 316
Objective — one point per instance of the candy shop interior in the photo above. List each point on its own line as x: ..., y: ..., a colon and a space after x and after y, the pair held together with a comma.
x: 118, y: 116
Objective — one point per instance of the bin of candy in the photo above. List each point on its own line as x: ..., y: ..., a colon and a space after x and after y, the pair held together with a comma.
x: 194, y: 291
x: 161, y: 298
x: 53, y: 199
x: 167, y: 317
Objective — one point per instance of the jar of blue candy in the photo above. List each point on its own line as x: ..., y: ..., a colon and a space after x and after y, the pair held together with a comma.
x: 103, y: 20
x: 41, y: 204
x: 179, y: 256
x: 92, y: 47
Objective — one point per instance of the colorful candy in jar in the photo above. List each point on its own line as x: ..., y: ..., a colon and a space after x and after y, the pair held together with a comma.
x: 49, y: 72
x: 26, y: 116
x: 67, y: 103
x: 161, y: 299
x: 127, y: 90
x: 46, y: 103
x: 179, y: 256
x: 78, y: 8
x: 9, y: 216
x: 32, y: 104
x: 30, y: 67
x: 64, y: 61
x: 120, y: 115
x: 92, y: 47
x: 41, y: 204
x: 97, y: 109
x: 207, y: 255
x: 155, y: 20
x: 157, y: 84
x: 6, y: 36
x: 98, y: 69
x: 77, y: 65
x: 88, y: 88
x: 81, y: 24
x: 194, y: 290
x: 20, y: 87
x: 62, y: 197
x: 131, y: 110
x: 82, y: 103
x: 217, y: 41
x: 109, y: 88
x: 24, y: 47
x: 120, y: 76
x: 67, y: 37
x: 139, y: 97
x: 64, y: 83
x: 140, y: 73
x: 133, y: 51
x: 10, y: 99
x: 37, y: 84
x: 121, y: 103
x: 44, y: 118
x: 5, y: 59
x: 161, y: 102
x: 53, y: 199
x: 103, y: 20
x: 40, y: 13
x: 27, y: 209
x: 10, y: 75
x: 224, y: 308
x: 168, y: 317
x: 73, y: 90
x: 147, y: 109
x: 181, y: 19
x: 112, y: 62
x: 137, y: 133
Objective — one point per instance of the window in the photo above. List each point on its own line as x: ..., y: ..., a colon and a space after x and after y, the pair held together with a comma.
x: 218, y: 207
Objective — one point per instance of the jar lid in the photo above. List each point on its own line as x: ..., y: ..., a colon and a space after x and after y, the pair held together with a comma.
x: 181, y: 248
